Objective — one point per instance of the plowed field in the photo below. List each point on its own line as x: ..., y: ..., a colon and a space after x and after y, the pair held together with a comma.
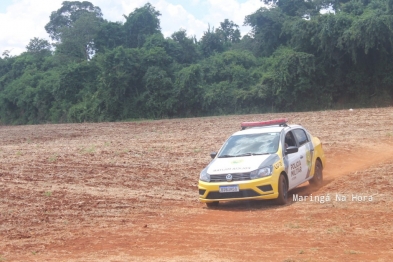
x: 128, y: 192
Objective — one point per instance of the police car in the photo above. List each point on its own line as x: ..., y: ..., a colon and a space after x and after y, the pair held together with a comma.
x: 262, y: 161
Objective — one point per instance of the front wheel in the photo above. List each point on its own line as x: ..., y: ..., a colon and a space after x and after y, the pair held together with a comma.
x: 317, y: 179
x: 282, y: 191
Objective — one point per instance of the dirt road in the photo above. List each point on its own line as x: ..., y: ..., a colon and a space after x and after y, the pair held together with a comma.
x: 128, y: 192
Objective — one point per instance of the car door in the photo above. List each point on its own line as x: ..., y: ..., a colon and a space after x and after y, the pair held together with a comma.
x: 305, y: 153
x: 293, y: 162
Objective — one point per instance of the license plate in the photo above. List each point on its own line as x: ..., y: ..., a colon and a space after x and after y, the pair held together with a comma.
x: 227, y: 189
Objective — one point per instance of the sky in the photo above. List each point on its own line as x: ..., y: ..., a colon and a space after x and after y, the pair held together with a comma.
x: 22, y: 20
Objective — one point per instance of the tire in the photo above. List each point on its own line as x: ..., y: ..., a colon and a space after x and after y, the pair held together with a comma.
x: 317, y: 179
x: 282, y: 198
x: 212, y: 204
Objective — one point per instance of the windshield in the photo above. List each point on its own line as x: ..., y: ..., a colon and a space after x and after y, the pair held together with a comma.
x: 250, y: 144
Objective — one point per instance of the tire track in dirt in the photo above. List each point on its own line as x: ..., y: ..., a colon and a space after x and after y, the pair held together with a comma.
x: 344, y: 161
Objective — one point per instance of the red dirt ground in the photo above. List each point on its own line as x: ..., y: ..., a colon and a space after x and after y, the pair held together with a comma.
x: 128, y: 192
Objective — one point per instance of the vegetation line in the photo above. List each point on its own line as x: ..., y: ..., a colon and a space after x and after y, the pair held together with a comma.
x: 296, y: 58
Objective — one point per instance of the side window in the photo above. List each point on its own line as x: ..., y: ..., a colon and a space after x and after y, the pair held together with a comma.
x: 301, y: 136
x: 289, y: 140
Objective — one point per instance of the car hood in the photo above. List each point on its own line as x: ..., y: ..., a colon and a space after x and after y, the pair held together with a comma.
x: 237, y: 164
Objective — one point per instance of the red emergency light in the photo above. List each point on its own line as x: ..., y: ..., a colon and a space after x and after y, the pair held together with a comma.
x: 280, y: 121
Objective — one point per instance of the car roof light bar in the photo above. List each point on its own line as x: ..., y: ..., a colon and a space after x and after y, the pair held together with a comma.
x: 280, y: 122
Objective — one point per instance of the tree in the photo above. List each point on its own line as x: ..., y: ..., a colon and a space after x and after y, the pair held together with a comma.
x: 300, y: 8
x: 140, y: 24
x: 229, y: 31
x: 288, y: 81
x: 78, y: 40
x: 109, y: 36
x: 6, y: 54
x: 39, y: 46
x: 188, y: 52
x: 119, y: 83
x: 211, y: 42
x: 189, y: 91
x: 267, y: 29
x: 67, y: 15
x: 158, y: 96
x: 227, y: 80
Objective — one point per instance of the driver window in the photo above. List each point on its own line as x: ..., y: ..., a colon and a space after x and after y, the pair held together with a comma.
x: 289, y: 140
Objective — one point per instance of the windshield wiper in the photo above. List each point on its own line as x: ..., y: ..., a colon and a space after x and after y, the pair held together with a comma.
x: 224, y: 156
x: 253, y: 154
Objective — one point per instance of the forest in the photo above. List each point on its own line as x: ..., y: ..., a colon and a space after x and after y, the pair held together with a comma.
x: 300, y: 55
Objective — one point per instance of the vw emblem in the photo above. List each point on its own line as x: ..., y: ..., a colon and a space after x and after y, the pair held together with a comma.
x: 229, y: 177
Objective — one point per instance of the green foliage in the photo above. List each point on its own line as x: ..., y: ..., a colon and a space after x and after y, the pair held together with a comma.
x: 295, y: 58
x: 140, y: 24
x: 189, y: 91
x: 186, y: 50
x: 372, y: 31
x: 77, y: 41
x: 67, y: 15
x: 228, y: 79
x: 158, y: 95
x: 267, y: 30
x: 109, y: 36
x: 211, y: 42
x: 119, y: 81
x: 38, y: 46
x: 300, y: 8
x: 229, y: 31
x: 24, y: 100
x: 288, y: 79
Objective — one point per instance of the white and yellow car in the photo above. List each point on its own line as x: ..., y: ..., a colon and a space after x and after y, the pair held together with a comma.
x: 262, y: 161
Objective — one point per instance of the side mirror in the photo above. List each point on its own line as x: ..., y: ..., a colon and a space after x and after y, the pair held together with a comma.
x: 213, y: 155
x: 291, y: 150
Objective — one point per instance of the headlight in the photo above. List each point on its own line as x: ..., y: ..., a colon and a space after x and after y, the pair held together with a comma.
x: 204, y: 176
x: 262, y: 172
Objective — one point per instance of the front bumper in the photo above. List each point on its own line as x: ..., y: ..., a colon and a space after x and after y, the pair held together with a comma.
x: 262, y: 188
